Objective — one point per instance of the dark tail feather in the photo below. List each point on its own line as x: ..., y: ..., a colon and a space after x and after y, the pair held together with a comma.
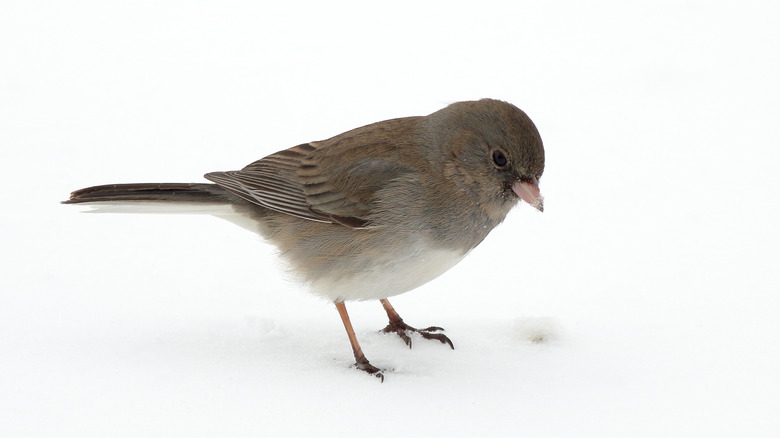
x: 165, y: 192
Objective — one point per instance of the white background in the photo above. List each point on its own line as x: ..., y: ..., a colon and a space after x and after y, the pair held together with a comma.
x: 652, y: 272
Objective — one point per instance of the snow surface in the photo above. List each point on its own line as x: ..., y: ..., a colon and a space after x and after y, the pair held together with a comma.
x: 642, y: 302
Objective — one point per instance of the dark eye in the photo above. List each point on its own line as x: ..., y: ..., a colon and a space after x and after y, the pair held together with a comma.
x: 499, y: 159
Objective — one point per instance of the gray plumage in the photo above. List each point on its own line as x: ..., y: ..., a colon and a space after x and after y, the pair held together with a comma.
x: 381, y: 209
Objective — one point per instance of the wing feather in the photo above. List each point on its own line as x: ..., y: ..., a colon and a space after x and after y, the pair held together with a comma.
x: 334, y: 181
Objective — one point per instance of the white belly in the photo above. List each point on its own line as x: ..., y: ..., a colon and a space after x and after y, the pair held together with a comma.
x: 392, y: 277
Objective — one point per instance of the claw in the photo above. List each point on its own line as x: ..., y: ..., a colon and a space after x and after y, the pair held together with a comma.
x: 407, y: 340
x: 437, y: 336
x: 401, y: 329
x: 370, y: 369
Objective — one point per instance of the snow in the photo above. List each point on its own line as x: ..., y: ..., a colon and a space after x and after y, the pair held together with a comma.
x: 642, y: 302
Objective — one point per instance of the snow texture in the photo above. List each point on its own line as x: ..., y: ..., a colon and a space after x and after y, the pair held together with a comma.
x: 642, y: 302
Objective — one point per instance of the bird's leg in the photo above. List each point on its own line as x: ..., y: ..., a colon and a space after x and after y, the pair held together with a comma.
x: 360, y: 359
x: 399, y: 327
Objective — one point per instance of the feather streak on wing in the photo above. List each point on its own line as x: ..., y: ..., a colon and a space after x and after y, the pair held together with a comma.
x: 273, y: 182
x: 339, y: 180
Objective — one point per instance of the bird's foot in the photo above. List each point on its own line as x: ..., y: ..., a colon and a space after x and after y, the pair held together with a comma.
x: 402, y: 329
x: 370, y: 369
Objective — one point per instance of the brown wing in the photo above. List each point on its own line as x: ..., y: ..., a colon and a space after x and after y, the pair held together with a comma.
x: 334, y: 181
x: 273, y: 182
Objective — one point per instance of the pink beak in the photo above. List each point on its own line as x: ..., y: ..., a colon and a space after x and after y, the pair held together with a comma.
x: 529, y: 192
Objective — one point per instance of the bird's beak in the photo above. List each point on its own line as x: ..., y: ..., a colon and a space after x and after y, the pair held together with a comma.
x: 528, y: 191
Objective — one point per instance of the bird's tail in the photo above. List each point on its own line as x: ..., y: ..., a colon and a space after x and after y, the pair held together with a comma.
x: 170, y: 198
x: 153, y: 192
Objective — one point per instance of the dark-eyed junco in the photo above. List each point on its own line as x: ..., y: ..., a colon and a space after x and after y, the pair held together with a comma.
x: 378, y: 210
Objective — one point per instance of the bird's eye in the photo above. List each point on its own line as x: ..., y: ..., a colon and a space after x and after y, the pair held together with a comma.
x: 499, y: 158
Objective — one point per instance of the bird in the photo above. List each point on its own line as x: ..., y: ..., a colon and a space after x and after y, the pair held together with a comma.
x: 376, y: 211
